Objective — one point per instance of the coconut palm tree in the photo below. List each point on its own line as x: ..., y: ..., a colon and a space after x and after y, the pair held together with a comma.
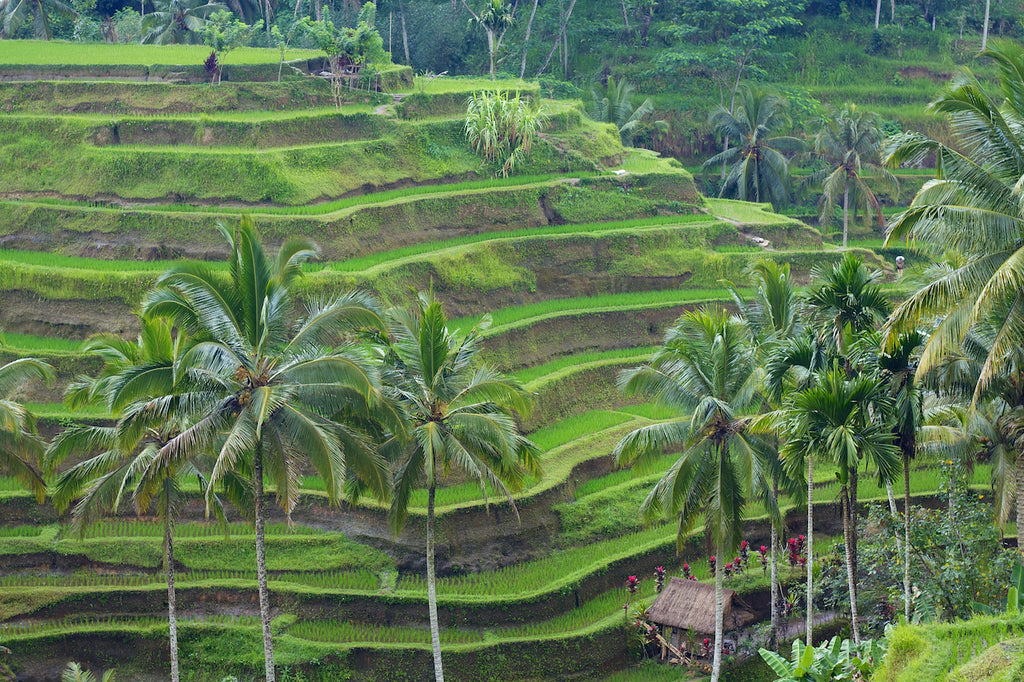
x: 282, y: 381
x: 833, y: 421
x: 706, y: 368
x: 14, y: 12
x: 759, y: 168
x: 973, y: 209
x: 614, y: 104
x: 849, y: 142
x: 178, y: 21
x: 141, y: 386
x: 773, y: 318
x: 459, y: 413
x: 21, y: 448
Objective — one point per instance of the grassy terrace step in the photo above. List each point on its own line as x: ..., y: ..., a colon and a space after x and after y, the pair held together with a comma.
x: 35, y: 52
x: 410, y: 222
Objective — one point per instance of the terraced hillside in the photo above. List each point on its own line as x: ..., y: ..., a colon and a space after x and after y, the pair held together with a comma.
x: 105, y: 183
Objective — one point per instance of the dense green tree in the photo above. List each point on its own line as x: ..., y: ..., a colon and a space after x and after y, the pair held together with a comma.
x: 707, y: 370
x: 849, y: 142
x: 283, y: 381
x: 460, y: 415
x: 759, y: 170
x: 740, y: 31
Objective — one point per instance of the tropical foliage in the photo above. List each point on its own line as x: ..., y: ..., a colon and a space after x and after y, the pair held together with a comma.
x: 758, y: 169
x: 706, y: 367
x: 460, y: 415
x: 502, y: 128
x: 614, y: 104
x: 289, y: 390
x: 849, y: 143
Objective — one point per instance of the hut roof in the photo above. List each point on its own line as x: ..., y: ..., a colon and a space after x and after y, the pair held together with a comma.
x: 689, y: 605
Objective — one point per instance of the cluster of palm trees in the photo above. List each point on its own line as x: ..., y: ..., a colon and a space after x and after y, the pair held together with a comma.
x: 231, y: 385
x: 837, y: 375
x: 756, y: 162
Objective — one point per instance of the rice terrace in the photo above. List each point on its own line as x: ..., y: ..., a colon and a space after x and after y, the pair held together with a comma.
x: 511, y: 340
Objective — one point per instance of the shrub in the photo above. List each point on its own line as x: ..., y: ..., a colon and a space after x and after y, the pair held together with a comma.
x: 501, y: 128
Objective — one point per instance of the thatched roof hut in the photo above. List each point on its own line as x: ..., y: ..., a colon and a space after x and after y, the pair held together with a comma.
x: 690, y: 605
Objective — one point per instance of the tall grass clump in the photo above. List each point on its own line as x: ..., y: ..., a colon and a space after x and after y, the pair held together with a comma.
x: 502, y: 129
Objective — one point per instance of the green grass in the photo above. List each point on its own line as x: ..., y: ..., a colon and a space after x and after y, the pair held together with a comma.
x: 395, y: 256
x: 88, y: 54
x: 32, y: 342
x: 53, y: 260
x: 342, y: 632
x: 505, y: 318
x: 744, y: 212
x: 532, y: 377
x: 568, y: 430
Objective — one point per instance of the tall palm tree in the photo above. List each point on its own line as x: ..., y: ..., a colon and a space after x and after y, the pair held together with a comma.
x: 14, y: 12
x: 759, y: 168
x: 844, y: 300
x: 706, y: 367
x: 281, y: 380
x: 178, y: 21
x: 21, y: 448
x: 773, y: 318
x: 794, y: 364
x: 898, y: 369
x: 460, y: 414
x: 972, y: 208
x: 614, y: 104
x: 849, y: 142
x: 833, y: 421
x: 140, y: 385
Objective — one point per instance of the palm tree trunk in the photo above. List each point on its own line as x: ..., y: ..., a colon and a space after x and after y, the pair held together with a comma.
x: 490, y: 50
x: 261, y: 562
x: 984, y: 30
x: 853, y: 525
x: 435, y: 631
x: 625, y: 19
x: 810, y: 549
x: 716, y: 661
x: 846, y: 207
x: 773, y: 634
x: 172, y: 617
x: 878, y: 12
x: 1019, y: 479
x: 906, y: 536
x: 894, y: 513
x: 845, y: 497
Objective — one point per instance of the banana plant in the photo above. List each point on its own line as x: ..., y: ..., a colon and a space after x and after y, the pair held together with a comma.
x: 836, y: 661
